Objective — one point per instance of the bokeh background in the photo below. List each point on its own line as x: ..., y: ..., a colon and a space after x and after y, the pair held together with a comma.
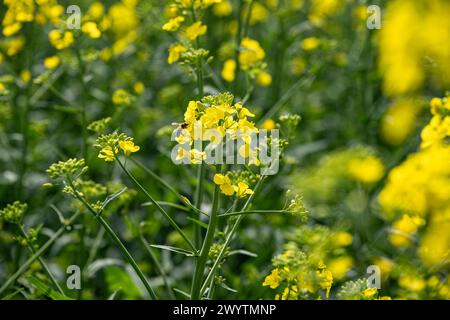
x: 370, y: 155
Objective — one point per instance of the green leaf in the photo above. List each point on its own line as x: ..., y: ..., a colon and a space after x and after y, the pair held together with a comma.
x: 46, y: 290
x: 99, y: 264
x: 223, y: 285
x: 12, y: 295
x: 187, y: 295
x: 175, y: 249
x: 111, y: 197
x: 120, y: 280
x: 243, y: 252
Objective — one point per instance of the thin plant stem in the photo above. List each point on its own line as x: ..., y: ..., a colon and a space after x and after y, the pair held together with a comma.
x: 237, y: 44
x: 168, y: 204
x: 24, y: 267
x: 198, y: 202
x: 208, y: 241
x: 41, y: 261
x: 229, y: 236
x: 117, y: 241
x: 239, y: 213
x: 156, y: 204
x: 167, y: 186
x: 201, y: 169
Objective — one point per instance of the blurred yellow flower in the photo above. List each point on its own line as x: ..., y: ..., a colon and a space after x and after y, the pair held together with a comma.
x: 342, y: 239
x: 367, y: 170
x: 412, y: 283
x: 310, y: 43
x: 258, y: 13
x: 404, y: 229
x: 263, y: 78
x: 269, y: 124
x: 340, y: 266
x: 195, y: 30
x: 414, y: 31
x: 139, y: 87
x: 25, y: 75
x: 61, y: 40
x: 370, y: 292
x: 222, y: 9
x: 52, y: 62
x: 229, y: 69
x: 399, y: 121
x: 96, y: 11
x: 173, y: 24
x: 90, y: 28
x: 175, y: 52
x: 121, y: 97
x: 251, y: 53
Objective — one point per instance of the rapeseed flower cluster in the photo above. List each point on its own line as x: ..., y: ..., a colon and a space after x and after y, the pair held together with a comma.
x: 212, y: 119
x: 295, y: 277
x: 109, y: 145
x: 424, y: 200
x: 414, y: 32
x: 183, y: 21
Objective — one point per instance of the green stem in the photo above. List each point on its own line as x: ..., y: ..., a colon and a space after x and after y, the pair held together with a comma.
x: 38, y: 253
x: 41, y: 261
x: 209, y: 238
x: 198, y: 202
x: 167, y: 186
x: 168, y: 204
x: 156, y: 204
x: 237, y: 45
x: 116, y: 239
x: 239, y: 213
x: 84, y: 149
x: 229, y: 236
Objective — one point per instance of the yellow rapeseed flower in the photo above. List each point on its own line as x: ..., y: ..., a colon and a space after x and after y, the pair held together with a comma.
x: 273, y: 279
x: 175, y: 52
x: 61, y: 40
x: 367, y: 170
x: 52, y: 62
x: 263, y: 78
x: 222, y: 9
x: 90, y: 28
x: 242, y: 190
x: 229, y: 70
x: 269, y: 124
x: 224, y: 183
x: 251, y: 53
x: 128, y: 147
x: 310, y: 43
x: 139, y: 87
x: 173, y: 24
x: 107, y: 153
x: 121, y: 97
x: 195, y: 30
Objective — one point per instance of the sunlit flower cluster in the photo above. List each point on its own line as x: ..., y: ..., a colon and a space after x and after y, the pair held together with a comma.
x: 426, y: 195
x: 109, y: 145
x: 413, y: 38
x: 213, y: 118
